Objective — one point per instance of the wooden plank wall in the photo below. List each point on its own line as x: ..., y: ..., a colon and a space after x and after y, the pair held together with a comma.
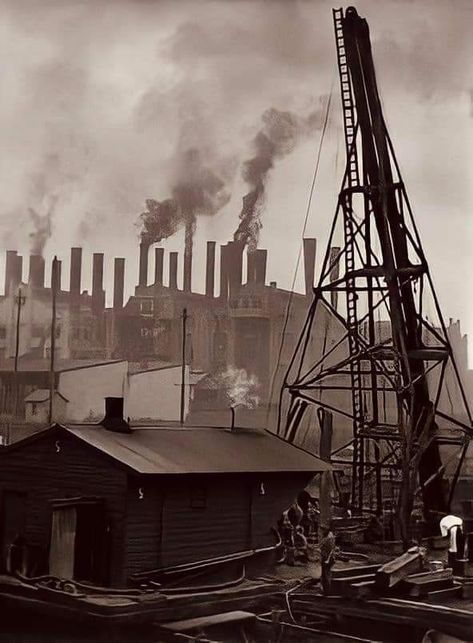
x: 59, y: 467
x: 221, y: 527
x: 143, y: 528
x: 164, y: 529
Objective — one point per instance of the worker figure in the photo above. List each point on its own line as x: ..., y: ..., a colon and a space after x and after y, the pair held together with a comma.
x: 327, y: 557
x: 300, y: 544
x: 287, y: 536
x: 312, y: 519
x: 452, y: 526
x: 295, y: 514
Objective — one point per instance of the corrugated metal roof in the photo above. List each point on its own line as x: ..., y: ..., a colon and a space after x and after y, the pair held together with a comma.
x: 175, y: 450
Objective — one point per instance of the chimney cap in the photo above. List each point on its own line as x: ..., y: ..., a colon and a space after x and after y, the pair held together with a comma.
x: 114, y: 420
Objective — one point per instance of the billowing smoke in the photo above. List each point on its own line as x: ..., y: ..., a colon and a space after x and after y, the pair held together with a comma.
x: 279, y: 135
x: 42, y: 229
x: 196, y: 190
x: 45, y: 186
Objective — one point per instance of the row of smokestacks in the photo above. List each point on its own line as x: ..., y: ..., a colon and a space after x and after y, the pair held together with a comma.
x: 36, y: 276
x: 231, y: 267
x: 231, y: 271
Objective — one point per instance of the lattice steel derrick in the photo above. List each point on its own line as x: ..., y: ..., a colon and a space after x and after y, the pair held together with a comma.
x: 385, y: 357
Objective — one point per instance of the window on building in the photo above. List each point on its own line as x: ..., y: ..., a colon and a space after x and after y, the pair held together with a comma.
x: 146, y: 306
x: 3, y: 332
x: 198, y: 497
x: 34, y: 409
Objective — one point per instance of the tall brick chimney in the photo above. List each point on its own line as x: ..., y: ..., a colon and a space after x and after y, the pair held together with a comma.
x: 187, y: 266
x: 36, y: 271
x: 13, y: 271
x: 55, y: 275
x: 98, y: 293
x: 260, y: 266
x: 224, y: 250
x: 18, y: 272
x: 310, y: 248
x: 143, y: 275
x: 58, y: 275
x: 173, y: 257
x: 251, y: 267
x: 76, y: 269
x: 235, y: 265
x: 118, y: 283
x: 158, y: 266
x: 210, y: 269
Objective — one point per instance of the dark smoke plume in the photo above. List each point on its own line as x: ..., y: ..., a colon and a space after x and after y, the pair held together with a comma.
x: 197, y: 190
x: 279, y: 135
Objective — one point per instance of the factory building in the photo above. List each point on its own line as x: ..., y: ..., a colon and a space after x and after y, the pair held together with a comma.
x: 80, y: 324
x: 237, y: 324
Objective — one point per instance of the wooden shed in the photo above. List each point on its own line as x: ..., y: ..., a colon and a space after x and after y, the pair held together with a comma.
x: 99, y: 505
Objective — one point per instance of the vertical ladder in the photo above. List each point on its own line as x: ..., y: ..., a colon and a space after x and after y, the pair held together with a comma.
x: 352, y: 178
x: 346, y: 93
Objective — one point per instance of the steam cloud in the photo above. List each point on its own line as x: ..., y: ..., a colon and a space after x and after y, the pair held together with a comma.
x: 278, y: 137
x: 240, y: 388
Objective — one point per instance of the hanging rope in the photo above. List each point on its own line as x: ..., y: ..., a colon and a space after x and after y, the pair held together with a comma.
x: 306, y: 218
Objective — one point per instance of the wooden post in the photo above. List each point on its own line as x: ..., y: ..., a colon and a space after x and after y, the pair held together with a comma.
x: 183, y: 367
x: 325, y: 452
x: 20, y: 300
x: 52, y: 383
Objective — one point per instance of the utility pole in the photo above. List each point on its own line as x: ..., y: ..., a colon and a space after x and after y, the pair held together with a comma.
x: 54, y: 289
x: 20, y: 300
x: 183, y: 368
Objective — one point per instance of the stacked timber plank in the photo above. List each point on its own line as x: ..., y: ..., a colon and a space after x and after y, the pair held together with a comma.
x: 404, y: 576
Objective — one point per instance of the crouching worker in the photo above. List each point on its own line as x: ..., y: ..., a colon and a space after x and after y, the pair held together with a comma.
x: 287, y: 536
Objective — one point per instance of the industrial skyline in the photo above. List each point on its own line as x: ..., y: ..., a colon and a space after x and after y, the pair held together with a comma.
x: 101, y: 130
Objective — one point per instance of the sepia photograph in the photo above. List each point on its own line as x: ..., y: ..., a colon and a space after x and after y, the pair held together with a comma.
x: 236, y: 394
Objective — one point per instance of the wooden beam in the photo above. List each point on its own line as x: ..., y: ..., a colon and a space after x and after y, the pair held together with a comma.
x: 391, y: 573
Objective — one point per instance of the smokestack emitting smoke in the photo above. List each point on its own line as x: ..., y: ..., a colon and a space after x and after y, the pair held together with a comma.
x: 196, y: 190
x: 42, y: 229
x: 279, y: 135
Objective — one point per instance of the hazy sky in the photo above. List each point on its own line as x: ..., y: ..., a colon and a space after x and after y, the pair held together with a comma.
x: 99, y: 99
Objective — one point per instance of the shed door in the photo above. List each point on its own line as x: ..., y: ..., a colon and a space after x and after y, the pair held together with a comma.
x: 79, y: 542
x: 13, y: 519
x: 63, y: 541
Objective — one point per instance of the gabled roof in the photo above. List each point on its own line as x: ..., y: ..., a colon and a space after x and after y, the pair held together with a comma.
x: 178, y: 451
x: 199, y: 450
